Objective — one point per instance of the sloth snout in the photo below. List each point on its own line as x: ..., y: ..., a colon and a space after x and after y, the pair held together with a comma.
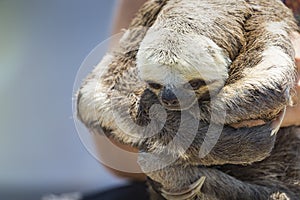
x: 173, y: 102
x: 169, y: 98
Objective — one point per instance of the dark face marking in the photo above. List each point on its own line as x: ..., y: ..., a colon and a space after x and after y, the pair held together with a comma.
x: 154, y: 85
x: 195, y: 84
x: 180, y: 97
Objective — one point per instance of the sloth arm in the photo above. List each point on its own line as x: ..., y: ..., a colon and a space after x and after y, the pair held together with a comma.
x: 124, y: 13
x: 261, y: 94
x: 263, y: 74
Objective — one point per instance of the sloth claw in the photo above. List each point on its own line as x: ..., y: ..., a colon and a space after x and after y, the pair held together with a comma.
x: 189, y: 193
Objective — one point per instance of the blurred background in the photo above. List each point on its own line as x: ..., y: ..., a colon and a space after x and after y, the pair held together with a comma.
x: 42, y: 45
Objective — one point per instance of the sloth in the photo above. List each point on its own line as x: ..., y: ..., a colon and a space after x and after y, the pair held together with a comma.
x: 183, y: 85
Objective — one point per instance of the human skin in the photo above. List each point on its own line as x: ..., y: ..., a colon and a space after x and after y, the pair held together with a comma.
x: 124, y: 13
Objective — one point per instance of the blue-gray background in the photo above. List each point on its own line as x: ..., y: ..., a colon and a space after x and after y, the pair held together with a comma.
x: 42, y: 44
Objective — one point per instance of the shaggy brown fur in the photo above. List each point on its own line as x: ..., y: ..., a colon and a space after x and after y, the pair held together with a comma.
x: 245, y: 163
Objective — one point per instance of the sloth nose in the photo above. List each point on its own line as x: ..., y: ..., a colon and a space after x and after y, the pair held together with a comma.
x: 173, y: 102
x: 169, y: 98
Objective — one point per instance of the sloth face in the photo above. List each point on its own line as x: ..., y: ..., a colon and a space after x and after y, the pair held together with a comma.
x: 184, y: 71
x: 181, y: 96
x: 181, y: 69
x: 178, y: 92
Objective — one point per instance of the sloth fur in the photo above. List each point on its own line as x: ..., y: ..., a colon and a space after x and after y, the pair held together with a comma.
x: 242, y: 50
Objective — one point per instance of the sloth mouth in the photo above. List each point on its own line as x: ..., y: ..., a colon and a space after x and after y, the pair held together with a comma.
x: 275, y: 124
x: 182, y: 107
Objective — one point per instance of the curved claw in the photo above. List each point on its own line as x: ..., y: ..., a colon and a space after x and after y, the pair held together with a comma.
x: 277, y: 122
x: 191, y: 191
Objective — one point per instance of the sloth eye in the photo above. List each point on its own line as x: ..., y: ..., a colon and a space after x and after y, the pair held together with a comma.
x: 195, y: 84
x: 155, y: 86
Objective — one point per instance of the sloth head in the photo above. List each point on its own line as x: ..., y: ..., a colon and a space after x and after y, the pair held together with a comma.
x: 181, y: 69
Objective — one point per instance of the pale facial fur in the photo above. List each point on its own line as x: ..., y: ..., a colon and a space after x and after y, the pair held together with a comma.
x: 174, y: 62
